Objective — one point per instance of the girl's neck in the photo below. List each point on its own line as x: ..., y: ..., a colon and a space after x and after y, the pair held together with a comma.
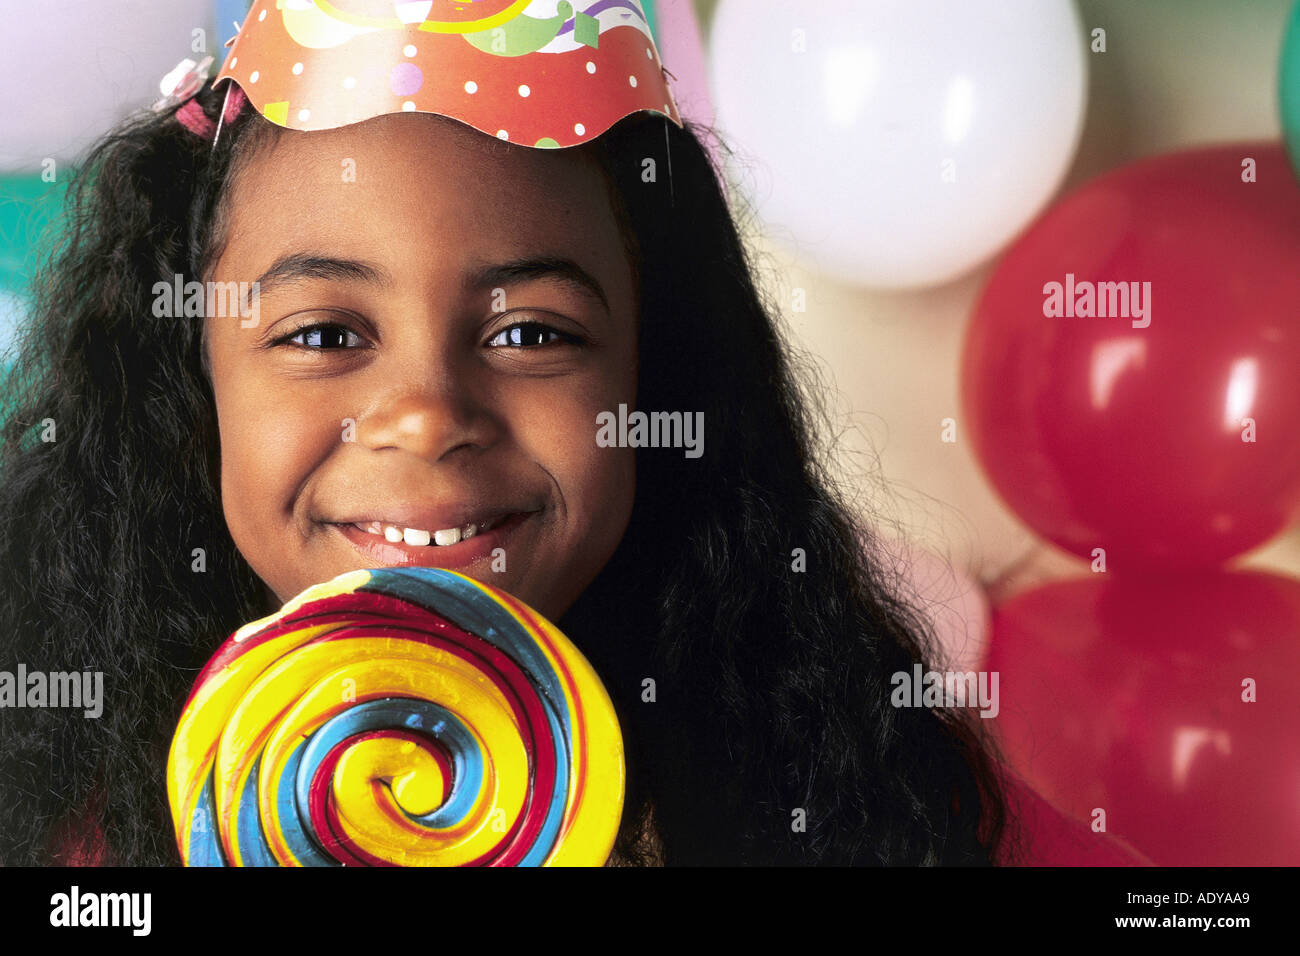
x: 270, y: 603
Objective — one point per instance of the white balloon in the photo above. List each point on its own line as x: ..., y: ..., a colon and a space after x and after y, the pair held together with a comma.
x: 72, y: 69
x: 904, y: 142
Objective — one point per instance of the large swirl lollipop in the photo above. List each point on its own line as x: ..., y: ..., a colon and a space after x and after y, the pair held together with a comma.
x: 402, y: 716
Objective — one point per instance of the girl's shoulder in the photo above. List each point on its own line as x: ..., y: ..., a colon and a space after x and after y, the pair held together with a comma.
x: 1045, y: 836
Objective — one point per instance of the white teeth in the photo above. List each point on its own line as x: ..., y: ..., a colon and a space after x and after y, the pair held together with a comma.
x: 415, y: 536
x: 418, y: 537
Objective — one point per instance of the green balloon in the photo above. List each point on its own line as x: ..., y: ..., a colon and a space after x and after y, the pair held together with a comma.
x: 1289, y: 87
x: 648, y: 7
x: 28, y: 207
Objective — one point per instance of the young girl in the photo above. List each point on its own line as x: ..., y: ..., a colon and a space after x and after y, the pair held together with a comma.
x: 383, y: 386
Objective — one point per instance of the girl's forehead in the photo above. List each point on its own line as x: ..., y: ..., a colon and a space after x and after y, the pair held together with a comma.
x: 422, y: 142
x: 424, y: 198
x: 422, y: 160
x: 417, y: 172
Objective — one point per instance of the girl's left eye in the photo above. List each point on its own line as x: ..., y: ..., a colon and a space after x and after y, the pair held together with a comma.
x: 323, y: 336
x: 530, y: 335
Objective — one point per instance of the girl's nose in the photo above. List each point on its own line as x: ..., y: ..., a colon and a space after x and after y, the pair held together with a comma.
x: 430, y: 420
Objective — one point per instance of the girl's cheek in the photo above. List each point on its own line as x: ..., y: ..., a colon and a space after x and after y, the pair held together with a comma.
x: 269, y: 436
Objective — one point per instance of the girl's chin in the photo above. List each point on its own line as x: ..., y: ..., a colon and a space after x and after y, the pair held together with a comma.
x: 494, y: 557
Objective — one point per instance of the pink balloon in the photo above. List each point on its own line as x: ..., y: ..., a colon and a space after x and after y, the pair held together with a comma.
x: 1133, y: 695
x: 1159, y: 427
x: 951, y: 601
x: 682, y: 51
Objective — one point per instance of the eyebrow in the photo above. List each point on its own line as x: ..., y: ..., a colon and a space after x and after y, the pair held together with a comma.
x: 562, y: 269
x: 300, y: 266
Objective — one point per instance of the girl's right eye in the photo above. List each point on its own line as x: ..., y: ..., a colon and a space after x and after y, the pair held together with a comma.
x: 321, y: 337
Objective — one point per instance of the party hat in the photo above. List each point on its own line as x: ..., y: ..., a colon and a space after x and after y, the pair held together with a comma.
x: 534, y: 72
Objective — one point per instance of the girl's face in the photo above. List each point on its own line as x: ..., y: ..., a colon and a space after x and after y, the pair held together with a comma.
x: 442, y: 317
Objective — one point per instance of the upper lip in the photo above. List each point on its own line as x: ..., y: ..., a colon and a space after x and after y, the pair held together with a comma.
x: 431, y: 519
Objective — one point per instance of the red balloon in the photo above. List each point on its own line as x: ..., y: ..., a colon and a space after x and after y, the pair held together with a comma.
x: 1128, y: 695
x: 1124, y: 431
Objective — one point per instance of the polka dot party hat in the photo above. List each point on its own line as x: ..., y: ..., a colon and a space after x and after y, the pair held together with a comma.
x: 539, y: 73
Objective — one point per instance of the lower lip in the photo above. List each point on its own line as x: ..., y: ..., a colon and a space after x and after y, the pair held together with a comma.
x: 382, y: 553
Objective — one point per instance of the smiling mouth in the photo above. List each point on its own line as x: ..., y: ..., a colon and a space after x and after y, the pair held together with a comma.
x: 386, y: 545
x: 419, y: 537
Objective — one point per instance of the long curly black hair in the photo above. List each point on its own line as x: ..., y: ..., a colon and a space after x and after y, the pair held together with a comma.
x: 770, y: 738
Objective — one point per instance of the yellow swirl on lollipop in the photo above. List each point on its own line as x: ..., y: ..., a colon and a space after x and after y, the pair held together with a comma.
x: 397, y: 717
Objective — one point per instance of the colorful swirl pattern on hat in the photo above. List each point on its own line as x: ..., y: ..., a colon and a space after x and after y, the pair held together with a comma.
x: 540, y: 73
x: 397, y: 717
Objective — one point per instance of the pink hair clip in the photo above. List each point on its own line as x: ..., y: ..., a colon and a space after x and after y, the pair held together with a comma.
x: 192, y: 116
x: 180, y: 86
